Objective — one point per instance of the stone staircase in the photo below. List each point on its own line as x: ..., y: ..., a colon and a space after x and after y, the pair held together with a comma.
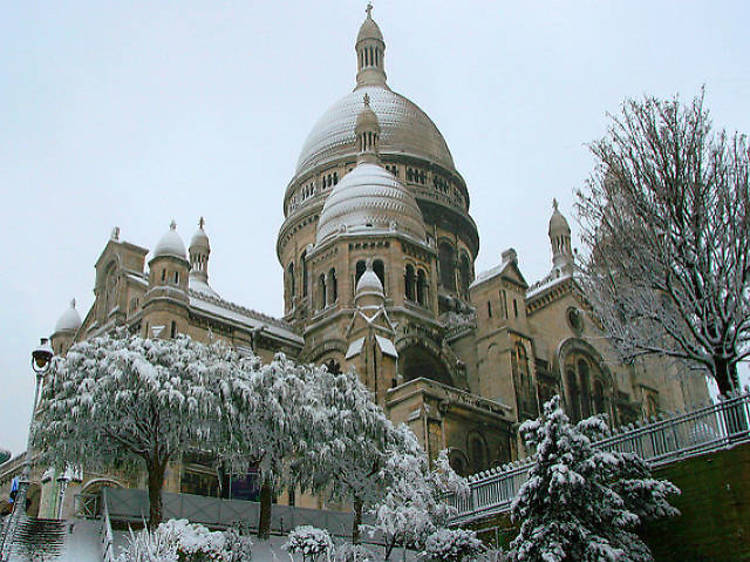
x: 38, y: 540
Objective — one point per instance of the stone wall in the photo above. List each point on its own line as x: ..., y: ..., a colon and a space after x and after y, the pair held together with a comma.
x: 715, y: 507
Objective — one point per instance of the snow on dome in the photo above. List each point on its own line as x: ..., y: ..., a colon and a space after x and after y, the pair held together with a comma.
x: 370, y: 199
x: 200, y: 238
x: 369, y: 282
x: 70, y: 320
x: 405, y: 129
x: 558, y: 224
x: 170, y: 244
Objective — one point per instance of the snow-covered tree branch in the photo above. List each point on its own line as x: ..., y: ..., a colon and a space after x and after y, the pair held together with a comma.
x: 118, y: 401
x: 665, y: 219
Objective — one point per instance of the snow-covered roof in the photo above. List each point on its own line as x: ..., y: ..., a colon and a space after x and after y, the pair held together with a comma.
x: 70, y: 320
x: 553, y: 279
x: 355, y: 348
x: 200, y: 286
x: 228, y: 311
x: 170, y: 244
x: 386, y: 346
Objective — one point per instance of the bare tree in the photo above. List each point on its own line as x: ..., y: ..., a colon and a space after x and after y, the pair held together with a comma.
x: 665, y: 218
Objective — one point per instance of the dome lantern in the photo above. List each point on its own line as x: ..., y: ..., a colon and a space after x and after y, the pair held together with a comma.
x: 200, y: 250
x: 370, y: 49
x: 367, y: 132
x: 559, y: 237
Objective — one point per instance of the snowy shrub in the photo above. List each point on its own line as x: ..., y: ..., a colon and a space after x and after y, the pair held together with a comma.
x: 178, y: 540
x: 310, y: 542
x: 579, y: 502
x: 452, y: 545
x: 348, y: 552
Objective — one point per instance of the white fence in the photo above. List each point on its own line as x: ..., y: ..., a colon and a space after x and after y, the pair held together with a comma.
x: 705, y: 429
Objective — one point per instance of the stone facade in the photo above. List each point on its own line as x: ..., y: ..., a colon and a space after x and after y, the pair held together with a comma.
x: 378, y: 250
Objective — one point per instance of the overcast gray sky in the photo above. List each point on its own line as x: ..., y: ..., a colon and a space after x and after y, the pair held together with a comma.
x: 134, y: 113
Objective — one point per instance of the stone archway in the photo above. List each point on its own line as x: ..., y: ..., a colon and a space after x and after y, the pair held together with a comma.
x: 417, y: 360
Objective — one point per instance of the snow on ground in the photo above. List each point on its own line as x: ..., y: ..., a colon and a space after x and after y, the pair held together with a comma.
x: 266, y: 551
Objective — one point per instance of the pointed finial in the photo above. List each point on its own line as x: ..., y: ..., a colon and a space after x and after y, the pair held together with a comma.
x: 116, y: 233
x: 72, y: 303
x: 554, y: 203
x: 367, y: 100
x: 369, y: 10
x: 201, y: 222
x: 172, y: 225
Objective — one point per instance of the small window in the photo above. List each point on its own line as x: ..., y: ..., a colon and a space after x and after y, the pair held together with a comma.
x: 163, y: 275
x: 489, y: 309
x: 173, y: 329
x: 515, y: 308
x: 176, y: 277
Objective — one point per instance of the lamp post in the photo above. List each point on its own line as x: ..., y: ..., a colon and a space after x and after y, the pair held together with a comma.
x: 40, y: 360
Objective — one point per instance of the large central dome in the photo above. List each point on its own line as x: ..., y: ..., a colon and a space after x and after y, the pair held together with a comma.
x: 405, y: 129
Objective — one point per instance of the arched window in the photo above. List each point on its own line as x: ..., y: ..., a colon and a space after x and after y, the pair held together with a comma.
x: 359, y: 270
x: 303, y: 263
x: 176, y: 277
x: 332, y: 285
x: 409, y: 283
x: 422, y: 287
x: 447, y: 258
x: 584, y: 382
x: 573, y: 397
x: 173, y: 329
x: 478, y: 452
x: 290, y: 279
x: 322, y: 290
x: 458, y: 463
x: 465, y: 272
x: 599, y: 397
x: 379, y: 268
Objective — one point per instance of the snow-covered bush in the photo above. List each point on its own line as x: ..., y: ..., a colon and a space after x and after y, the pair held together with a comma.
x: 452, y: 545
x: 579, y: 502
x: 310, y: 542
x: 348, y: 552
x: 178, y: 540
x: 413, y: 506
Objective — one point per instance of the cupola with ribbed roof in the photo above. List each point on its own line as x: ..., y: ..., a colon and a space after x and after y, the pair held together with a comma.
x: 370, y: 49
x: 200, y: 250
x: 370, y: 199
x: 559, y: 237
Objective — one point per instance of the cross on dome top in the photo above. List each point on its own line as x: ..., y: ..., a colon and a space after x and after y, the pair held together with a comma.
x: 201, y: 222
x: 368, y: 9
x: 370, y: 49
x: 173, y: 225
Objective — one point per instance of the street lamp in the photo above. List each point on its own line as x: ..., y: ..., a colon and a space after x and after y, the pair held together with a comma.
x: 40, y: 361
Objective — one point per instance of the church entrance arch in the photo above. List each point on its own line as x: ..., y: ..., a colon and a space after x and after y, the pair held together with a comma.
x: 417, y: 360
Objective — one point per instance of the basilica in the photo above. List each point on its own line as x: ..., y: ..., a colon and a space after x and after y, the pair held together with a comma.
x: 377, y: 250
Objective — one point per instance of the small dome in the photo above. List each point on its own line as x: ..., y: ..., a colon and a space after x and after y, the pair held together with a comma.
x: 369, y: 29
x: 558, y: 224
x: 369, y: 282
x: 200, y: 238
x: 170, y: 244
x: 70, y: 320
x: 366, y: 119
x: 370, y: 199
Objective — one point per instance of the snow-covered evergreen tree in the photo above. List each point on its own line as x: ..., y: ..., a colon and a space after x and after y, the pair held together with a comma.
x: 127, y: 402
x: 582, y: 503
x: 312, y: 543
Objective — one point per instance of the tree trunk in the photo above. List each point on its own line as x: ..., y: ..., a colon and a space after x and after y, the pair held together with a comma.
x: 726, y: 376
x: 356, y: 537
x: 155, y: 484
x: 264, y: 521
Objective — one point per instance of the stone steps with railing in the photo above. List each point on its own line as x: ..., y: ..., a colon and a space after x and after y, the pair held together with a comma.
x: 38, y: 539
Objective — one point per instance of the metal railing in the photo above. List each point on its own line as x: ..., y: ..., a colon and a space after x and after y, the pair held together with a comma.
x: 709, y: 428
x: 106, y: 539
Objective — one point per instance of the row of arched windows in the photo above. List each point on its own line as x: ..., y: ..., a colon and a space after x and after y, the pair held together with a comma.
x: 448, y: 263
x: 586, y: 390
x: 416, y: 286
x: 329, y: 180
x: 415, y: 175
x: 328, y: 292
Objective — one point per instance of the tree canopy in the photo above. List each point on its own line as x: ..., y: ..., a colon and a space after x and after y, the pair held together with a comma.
x: 665, y: 219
